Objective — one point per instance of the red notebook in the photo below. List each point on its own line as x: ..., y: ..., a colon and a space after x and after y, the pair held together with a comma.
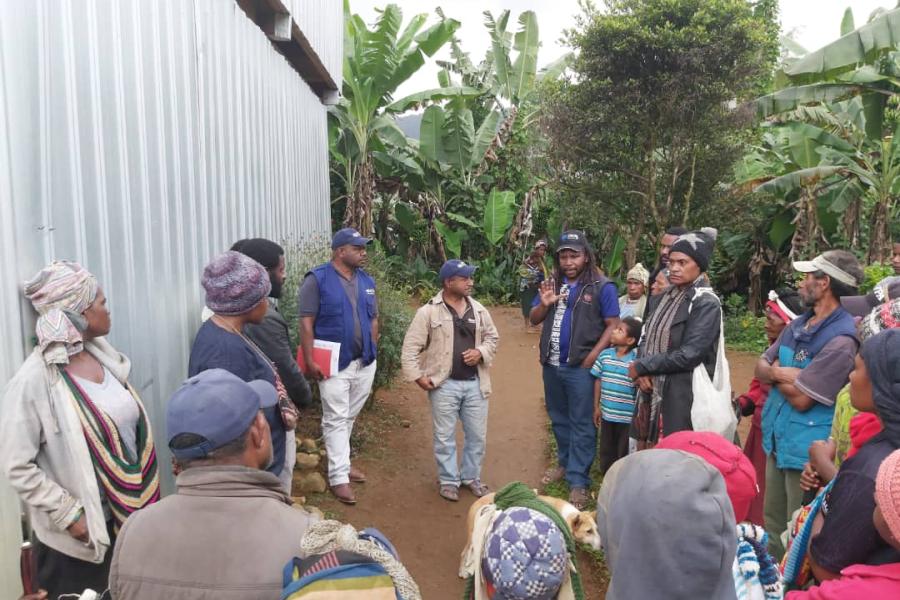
x: 325, y: 354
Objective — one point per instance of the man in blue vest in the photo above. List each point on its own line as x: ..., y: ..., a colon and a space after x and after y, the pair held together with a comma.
x: 338, y: 304
x: 806, y: 366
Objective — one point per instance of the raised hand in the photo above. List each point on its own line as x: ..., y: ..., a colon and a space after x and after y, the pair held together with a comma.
x: 548, y: 293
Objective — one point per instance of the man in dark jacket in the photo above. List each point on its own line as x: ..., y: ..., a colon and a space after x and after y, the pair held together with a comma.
x: 272, y: 335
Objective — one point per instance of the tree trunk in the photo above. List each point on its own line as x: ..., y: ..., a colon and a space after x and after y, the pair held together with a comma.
x: 358, y: 214
x: 879, y: 236
x: 806, y: 226
x: 851, y: 223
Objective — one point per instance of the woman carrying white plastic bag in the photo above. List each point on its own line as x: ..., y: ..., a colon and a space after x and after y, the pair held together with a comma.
x: 682, y: 333
x: 713, y: 409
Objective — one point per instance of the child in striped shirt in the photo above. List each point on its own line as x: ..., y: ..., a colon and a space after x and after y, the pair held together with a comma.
x: 614, y: 392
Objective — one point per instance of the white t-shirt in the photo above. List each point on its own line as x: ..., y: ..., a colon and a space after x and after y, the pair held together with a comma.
x: 112, y: 398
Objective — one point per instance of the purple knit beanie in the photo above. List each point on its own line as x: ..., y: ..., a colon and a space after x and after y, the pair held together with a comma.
x: 234, y: 283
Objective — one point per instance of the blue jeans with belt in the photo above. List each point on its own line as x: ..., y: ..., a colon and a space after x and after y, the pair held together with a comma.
x: 461, y: 400
x: 569, y: 395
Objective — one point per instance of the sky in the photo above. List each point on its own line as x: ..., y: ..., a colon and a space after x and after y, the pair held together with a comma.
x: 814, y: 23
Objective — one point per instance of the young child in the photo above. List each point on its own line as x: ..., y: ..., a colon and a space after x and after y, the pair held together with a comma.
x: 614, y: 392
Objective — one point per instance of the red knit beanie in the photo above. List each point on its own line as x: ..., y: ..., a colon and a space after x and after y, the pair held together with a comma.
x: 732, y: 463
x: 887, y: 491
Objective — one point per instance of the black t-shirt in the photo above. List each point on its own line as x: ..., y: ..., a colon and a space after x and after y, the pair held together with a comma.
x: 463, y: 339
x: 848, y: 535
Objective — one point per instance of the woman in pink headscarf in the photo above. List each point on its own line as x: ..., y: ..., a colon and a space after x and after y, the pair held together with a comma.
x: 782, y: 308
x: 75, y: 441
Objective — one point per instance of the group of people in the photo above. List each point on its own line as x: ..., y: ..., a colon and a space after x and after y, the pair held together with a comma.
x: 78, y: 448
x: 813, y: 498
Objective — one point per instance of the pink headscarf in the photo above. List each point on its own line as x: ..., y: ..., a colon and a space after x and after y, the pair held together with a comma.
x: 60, y: 293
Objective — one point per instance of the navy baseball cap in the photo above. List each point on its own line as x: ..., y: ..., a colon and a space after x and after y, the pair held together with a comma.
x: 572, y: 240
x: 350, y: 236
x: 455, y: 268
x: 216, y: 406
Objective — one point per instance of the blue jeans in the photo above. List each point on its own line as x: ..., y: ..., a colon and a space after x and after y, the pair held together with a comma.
x: 569, y: 395
x: 461, y: 400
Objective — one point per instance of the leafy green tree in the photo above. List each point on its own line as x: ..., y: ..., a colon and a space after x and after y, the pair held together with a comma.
x: 646, y: 130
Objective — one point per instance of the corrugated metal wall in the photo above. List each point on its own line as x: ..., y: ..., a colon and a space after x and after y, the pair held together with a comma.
x: 316, y: 19
x: 140, y: 138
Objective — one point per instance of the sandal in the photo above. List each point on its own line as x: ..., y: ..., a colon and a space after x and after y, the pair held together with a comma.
x: 579, y: 498
x: 477, y: 488
x: 553, y: 475
x: 449, y: 492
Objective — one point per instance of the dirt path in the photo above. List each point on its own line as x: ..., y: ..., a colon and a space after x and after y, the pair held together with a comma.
x: 400, y: 497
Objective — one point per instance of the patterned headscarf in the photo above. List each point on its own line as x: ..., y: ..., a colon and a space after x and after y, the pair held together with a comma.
x: 60, y: 292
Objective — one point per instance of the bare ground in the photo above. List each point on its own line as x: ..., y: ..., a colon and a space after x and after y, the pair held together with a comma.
x: 401, y: 497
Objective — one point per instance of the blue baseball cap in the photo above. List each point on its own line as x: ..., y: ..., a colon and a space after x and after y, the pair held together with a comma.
x: 216, y: 406
x: 455, y: 268
x: 350, y: 236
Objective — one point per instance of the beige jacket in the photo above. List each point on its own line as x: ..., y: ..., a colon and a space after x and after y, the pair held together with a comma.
x: 225, y: 535
x: 428, y: 345
x: 44, y: 455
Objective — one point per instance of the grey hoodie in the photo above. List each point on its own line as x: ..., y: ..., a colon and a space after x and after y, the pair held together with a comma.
x: 667, y: 528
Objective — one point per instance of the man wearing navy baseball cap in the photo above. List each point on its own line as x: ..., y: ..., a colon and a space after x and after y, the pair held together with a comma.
x: 229, y: 521
x: 447, y: 351
x: 338, y: 304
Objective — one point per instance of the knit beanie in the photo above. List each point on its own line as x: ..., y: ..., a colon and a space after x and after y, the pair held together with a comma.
x: 699, y: 245
x: 234, y: 283
x: 886, y: 316
x: 525, y: 556
x: 732, y: 463
x: 887, y: 491
x: 639, y: 273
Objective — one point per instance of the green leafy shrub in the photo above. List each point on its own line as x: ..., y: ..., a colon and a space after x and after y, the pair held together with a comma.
x: 394, y: 312
x: 874, y: 273
x: 394, y: 317
x: 744, y: 331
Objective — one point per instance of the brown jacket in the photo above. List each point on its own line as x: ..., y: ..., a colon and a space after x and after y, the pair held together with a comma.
x: 428, y: 345
x: 226, y: 535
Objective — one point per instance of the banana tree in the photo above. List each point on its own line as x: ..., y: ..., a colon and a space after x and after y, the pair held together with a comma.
x: 376, y: 62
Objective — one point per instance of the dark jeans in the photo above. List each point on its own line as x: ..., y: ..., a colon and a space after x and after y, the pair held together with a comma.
x: 60, y: 573
x: 569, y: 395
x: 613, y: 443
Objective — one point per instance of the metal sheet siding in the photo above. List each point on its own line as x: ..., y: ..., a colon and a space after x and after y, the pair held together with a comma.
x: 141, y: 138
x: 322, y: 22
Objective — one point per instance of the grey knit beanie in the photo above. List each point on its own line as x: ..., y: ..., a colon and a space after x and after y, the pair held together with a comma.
x: 234, y: 283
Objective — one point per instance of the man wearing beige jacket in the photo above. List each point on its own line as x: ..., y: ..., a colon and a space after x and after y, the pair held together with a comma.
x: 447, y: 351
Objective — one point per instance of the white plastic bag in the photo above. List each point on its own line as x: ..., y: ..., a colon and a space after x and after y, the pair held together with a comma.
x: 712, y: 409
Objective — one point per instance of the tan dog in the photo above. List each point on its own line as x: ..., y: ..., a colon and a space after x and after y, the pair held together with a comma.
x: 582, y: 524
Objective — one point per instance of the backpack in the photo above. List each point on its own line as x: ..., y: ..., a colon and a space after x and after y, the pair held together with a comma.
x: 340, y: 573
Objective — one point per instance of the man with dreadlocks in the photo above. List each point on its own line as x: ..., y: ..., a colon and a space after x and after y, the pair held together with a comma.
x: 579, y: 308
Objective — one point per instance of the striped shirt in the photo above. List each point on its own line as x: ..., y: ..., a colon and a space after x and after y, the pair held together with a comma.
x: 617, y: 390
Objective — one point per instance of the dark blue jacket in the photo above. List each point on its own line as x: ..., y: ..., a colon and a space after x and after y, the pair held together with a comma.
x: 334, y: 322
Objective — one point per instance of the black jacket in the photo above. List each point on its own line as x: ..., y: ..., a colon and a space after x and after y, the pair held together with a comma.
x: 694, y: 338
x: 272, y: 338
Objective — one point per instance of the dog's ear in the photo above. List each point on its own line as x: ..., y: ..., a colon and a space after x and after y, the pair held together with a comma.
x: 577, y: 521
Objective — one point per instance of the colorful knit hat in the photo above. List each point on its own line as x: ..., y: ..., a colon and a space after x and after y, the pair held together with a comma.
x: 525, y: 556
x: 234, y: 283
x: 886, y: 316
x: 732, y: 463
x: 887, y: 491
